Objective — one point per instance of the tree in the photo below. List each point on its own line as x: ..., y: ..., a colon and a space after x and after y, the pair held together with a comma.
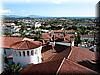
x: 12, y: 69
x: 23, y: 28
x: 82, y: 30
x: 37, y: 36
x: 8, y: 33
x: 77, y: 39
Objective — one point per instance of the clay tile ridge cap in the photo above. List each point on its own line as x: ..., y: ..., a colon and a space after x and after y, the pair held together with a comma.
x: 25, y: 45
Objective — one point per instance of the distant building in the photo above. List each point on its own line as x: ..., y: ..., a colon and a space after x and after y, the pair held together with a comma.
x: 87, y: 24
x: 37, y: 24
x: 89, y: 37
x: 8, y: 27
x: 67, y: 37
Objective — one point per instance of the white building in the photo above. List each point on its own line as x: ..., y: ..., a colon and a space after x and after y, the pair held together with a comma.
x: 8, y: 27
x: 37, y: 24
x: 26, y: 52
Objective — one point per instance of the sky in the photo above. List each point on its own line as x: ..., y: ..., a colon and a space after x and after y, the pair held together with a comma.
x: 53, y: 8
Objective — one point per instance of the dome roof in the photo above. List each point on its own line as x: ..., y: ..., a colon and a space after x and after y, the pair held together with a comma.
x: 25, y: 45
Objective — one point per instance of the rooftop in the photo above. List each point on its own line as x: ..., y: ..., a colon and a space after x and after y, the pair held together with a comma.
x: 64, y: 62
x: 45, y: 36
x: 25, y: 45
x: 7, y: 41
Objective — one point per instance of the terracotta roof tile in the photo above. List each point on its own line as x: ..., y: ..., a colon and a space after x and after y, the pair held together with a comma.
x: 46, y: 68
x: 45, y: 36
x: 61, y: 55
x: 7, y: 41
x: 24, y: 45
x: 58, y: 65
x: 78, y: 54
x: 69, y: 67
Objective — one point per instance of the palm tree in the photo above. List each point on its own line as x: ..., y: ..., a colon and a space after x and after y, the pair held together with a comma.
x: 82, y: 30
x: 12, y: 69
x: 23, y: 28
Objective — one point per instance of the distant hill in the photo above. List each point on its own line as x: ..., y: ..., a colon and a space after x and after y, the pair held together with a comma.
x: 37, y: 16
x: 11, y: 16
x: 17, y: 16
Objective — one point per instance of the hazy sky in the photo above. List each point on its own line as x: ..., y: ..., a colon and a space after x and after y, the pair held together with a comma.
x: 73, y: 8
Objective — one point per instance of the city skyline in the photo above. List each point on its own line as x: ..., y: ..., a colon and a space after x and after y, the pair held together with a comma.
x: 52, y: 8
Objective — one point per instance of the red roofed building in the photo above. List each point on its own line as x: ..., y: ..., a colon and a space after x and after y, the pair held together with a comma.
x: 26, y: 52
x: 62, y: 36
x: 6, y: 42
x: 45, y: 38
x: 66, y: 62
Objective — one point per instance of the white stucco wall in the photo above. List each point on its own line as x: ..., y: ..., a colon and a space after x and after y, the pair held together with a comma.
x: 62, y: 43
x: 24, y: 60
x: 72, y: 43
x: 8, y: 51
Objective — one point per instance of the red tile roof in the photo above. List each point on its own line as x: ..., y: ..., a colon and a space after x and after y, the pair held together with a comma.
x: 45, y: 36
x: 47, y: 55
x: 69, y: 67
x: 7, y: 41
x: 65, y: 62
x: 25, y: 44
x: 60, y: 67
x: 61, y: 55
x: 78, y: 54
x: 46, y: 68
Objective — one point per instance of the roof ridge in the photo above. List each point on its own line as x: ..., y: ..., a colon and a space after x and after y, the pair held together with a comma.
x: 69, y: 53
x: 27, y: 43
x: 21, y: 44
x: 60, y: 65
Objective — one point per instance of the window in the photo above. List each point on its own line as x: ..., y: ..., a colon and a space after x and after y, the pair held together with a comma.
x: 38, y: 58
x: 35, y: 51
x: 19, y: 53
x: 23, y: 53
x: 5, y: 51
x: 15, y: 53
x: 27, y: 53
x: 32, y: 52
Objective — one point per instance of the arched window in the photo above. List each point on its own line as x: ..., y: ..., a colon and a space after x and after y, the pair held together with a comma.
x: 4, y: 51
x: 32, y: 52
x: 15, y: 53
x: 23, y: 53
x: 38, y: 58
x: 27, y: 53
x: 19, y: 53
x: 35, y: 51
